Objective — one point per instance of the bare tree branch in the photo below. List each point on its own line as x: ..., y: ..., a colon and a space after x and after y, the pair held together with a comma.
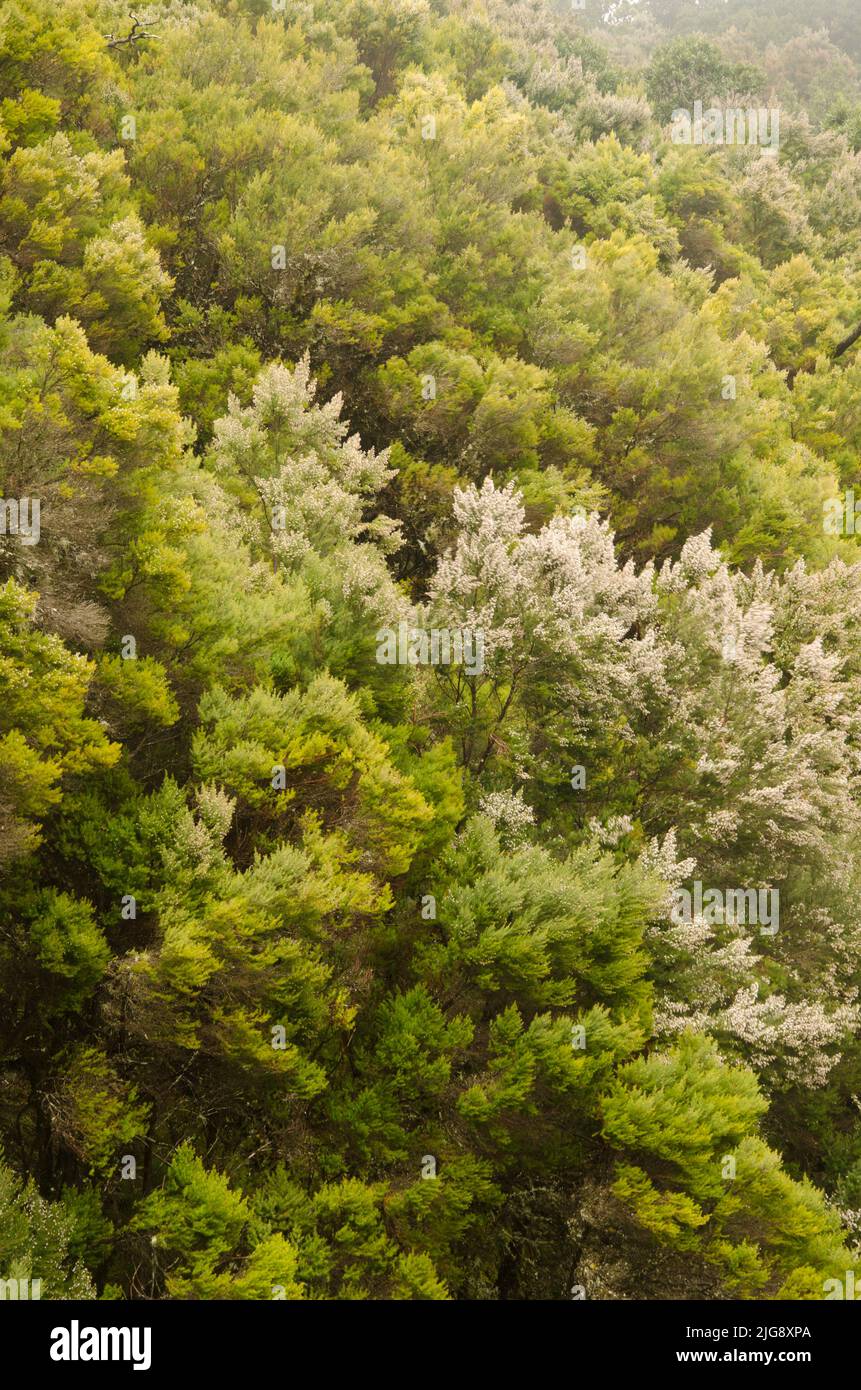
x: 136, y: 34
x: 848, y: 341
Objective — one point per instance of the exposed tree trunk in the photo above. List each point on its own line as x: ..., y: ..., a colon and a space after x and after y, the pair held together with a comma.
x: 847, y: 342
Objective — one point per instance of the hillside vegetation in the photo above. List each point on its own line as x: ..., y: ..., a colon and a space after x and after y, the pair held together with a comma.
x: 330, y: 968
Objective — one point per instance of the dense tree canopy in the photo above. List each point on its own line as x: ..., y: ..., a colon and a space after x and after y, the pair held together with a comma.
x: 428, y: 560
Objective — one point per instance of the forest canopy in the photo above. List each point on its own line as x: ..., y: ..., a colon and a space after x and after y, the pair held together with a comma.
x: 430, y: 789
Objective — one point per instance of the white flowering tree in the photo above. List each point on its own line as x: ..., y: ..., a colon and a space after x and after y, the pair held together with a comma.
x: 309, y: 493
x: 312, y: 478
x: 553, y: 609
x: 714, y: 714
